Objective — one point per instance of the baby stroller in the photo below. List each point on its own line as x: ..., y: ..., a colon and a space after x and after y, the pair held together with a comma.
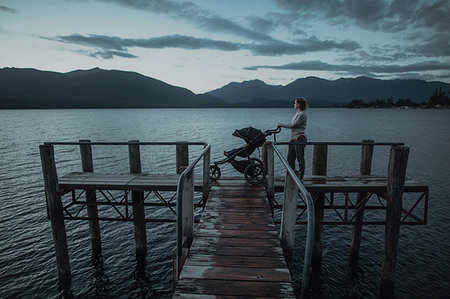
x: 252, y: 168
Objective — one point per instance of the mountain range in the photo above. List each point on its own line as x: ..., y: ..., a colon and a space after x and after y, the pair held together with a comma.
x: 95, y: 88
x: 98, y: 88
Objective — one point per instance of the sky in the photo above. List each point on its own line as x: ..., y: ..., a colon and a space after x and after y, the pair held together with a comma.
x: 203, y: 45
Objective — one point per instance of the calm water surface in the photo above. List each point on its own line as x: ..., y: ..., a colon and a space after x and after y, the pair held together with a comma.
x: 27, y: 262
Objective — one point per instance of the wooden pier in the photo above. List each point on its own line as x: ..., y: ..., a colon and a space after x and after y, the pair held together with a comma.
x: 234, y: 250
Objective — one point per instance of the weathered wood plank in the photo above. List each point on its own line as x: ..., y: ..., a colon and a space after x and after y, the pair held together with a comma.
x: 237, y: 218
x: 236, y: 273
x: 216, y: 241
x: 235, y: 226
x: 236, y: 261
x: 238, y: 250
x: 236, y: 233
x: 234, y: 288
x: 135, y: 182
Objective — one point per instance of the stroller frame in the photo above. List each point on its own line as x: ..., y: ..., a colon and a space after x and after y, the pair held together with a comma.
x: 252, y: 168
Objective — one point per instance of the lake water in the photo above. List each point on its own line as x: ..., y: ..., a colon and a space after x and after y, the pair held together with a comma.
x: 27, y: 261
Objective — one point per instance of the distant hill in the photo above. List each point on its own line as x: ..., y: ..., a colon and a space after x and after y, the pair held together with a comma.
x: 98, y: 88
x: 325, y: 93
x: 245, y: 91
x: 95, y: 88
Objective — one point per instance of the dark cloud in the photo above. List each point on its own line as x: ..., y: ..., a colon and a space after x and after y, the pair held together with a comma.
x: 312, y: 44
x: 382, y: 15
x: 196, y: 14
x: 105, y: 54
x: 7, y: 9
x: 358, y: 69
x: 105, y: 44
x: 122, y: 44
x: 437, y: 45
x: 93, y: 40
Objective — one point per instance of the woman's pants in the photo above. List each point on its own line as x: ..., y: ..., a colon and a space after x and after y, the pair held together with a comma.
x: 297, y: 151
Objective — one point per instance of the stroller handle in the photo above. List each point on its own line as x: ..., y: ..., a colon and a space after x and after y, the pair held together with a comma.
x: 270, y: 132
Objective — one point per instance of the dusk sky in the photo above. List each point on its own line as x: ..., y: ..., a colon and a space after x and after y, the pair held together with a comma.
x: 203, y: 45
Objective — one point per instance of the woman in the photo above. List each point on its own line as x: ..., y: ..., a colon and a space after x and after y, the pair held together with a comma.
x: 297, y: 126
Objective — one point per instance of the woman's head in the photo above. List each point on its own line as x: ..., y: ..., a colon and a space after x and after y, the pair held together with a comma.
x: 301, y: 103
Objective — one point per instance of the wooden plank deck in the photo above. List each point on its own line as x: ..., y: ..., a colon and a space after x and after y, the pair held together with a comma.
x: 236, y: 251
x: 127, y: 181
x: 137, y: 182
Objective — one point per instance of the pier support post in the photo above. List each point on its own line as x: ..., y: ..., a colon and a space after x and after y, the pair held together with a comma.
x: 206, y: 162
x: 319, y: 167
x: 185, y: 219
x: 140, y: 234
x: 182, y: 156
x: 365, y: 169
x: 91, y: 199
x: 396, y: 181
x: 288, y: 220
x: 268, y: 159
x: 56, y: 215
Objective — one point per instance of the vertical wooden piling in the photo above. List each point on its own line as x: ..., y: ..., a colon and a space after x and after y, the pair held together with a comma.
x: 56, y: 215
x: 185, y: 219
x: 270, y: 166
x: 319, y: 167
x: 206, y: 162
x: 182, y: 156
x: 396, y: 181
x: 288, y: 220
x: 140, y: 234
x: 91, y: 199
x: 365, y: 168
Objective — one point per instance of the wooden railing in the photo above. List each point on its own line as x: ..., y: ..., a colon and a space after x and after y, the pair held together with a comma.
x: 293, y: 188
x: 185, y: 206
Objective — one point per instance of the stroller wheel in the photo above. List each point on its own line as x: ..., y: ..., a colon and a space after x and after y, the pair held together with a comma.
x: 256, y: 160
x: 214, y: 172
x: 255, y: 173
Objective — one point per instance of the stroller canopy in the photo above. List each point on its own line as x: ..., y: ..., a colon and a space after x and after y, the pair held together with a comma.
x: 248, y: 134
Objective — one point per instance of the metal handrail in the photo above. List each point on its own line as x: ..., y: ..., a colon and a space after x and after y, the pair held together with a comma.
x: 339, y: 143
x: 180, y: 190
x: 127, y: 143
x: 310, y: 227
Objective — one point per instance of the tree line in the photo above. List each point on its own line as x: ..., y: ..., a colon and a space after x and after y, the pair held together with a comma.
x: 439, y: 98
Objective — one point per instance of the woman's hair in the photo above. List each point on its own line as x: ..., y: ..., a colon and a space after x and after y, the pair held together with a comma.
x: 302, y: 103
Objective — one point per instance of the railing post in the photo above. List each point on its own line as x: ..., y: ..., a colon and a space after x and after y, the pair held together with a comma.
x: 319, y: 167
x: 396, y: 181
x: 56, y: 215
x: 365, y: 169
x: 140, y: 234
x: 206, y: 162
x: 188, y: 208
x: 94, y: 226
x: 288, y: 219
x: 185, y: 217
x: 264, y: 153
x: 270, y: 166
x: 182, y: 157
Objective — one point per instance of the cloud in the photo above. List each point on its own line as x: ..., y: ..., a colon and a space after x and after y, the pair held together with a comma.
x: 193, y: 13
x: 302, y: 46
x: 7, y: 9
x: 383, y: 15
x: 105, y: 54
x: 316, y: 65
x: 106, y: 44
